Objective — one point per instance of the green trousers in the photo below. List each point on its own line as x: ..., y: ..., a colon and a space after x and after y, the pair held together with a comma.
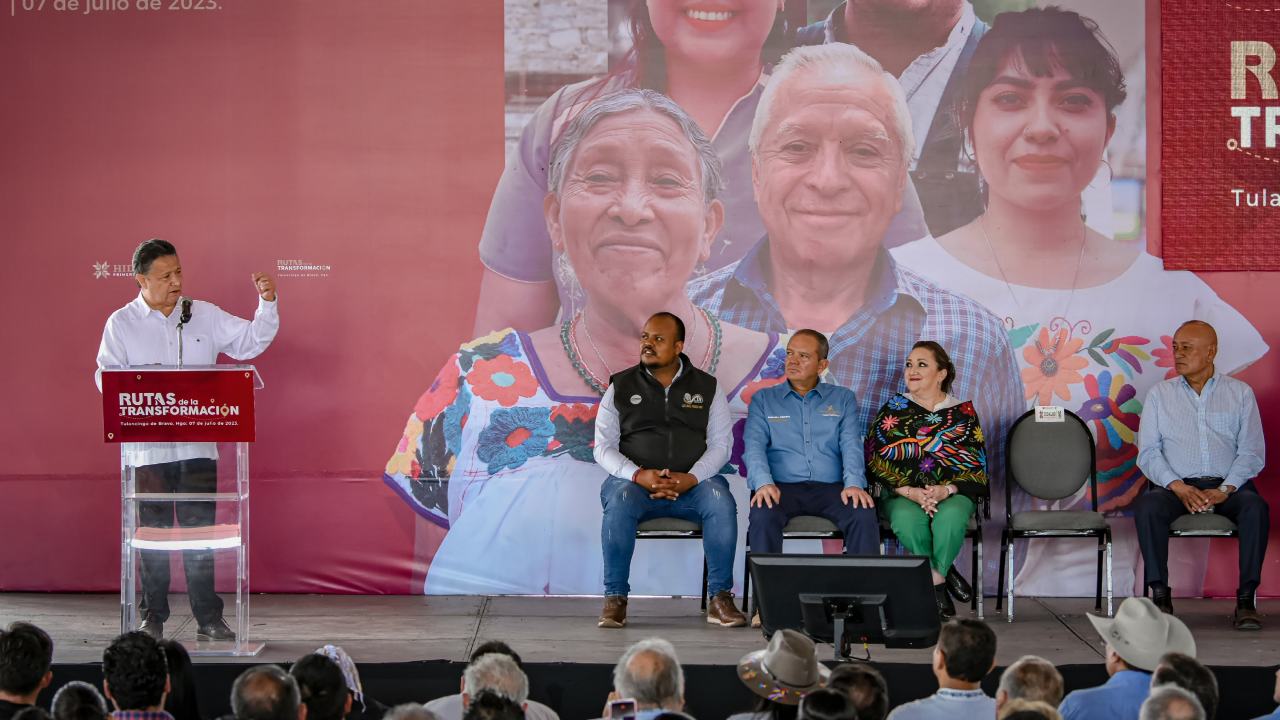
x: 939, y: 538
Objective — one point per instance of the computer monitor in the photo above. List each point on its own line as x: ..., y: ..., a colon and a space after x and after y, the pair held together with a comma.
x: 872, y: 599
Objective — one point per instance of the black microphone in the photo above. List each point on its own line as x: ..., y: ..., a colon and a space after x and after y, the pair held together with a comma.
x: 186, y: 311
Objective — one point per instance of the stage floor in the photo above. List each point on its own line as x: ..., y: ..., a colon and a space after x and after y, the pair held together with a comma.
x: 391, y: 629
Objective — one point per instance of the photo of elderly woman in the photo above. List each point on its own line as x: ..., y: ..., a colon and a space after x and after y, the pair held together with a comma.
x: 1088, y: 316
x: 498, y: 449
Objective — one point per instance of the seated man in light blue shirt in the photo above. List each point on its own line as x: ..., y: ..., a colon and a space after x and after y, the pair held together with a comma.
x: 803, y: 452
x: 1200, y: 442
x: 965, y: 653
x: 1137, y: 637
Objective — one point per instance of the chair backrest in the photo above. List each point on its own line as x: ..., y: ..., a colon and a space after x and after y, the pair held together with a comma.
x: 1051, y: 460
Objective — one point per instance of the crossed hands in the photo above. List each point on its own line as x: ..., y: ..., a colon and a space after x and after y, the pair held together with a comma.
x: 664, y: 484
x: 1195, y: 499
x: 769, y: 495
x: 927, y: 497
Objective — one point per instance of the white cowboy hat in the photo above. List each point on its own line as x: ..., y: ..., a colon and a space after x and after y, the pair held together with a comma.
x: 785, y: 671
x: 1141, y: 634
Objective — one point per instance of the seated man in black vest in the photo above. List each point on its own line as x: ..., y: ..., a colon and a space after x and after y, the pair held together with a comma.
x: 663, y: 433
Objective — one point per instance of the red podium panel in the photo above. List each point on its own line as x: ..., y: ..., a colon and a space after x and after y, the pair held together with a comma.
x: 172, y: 405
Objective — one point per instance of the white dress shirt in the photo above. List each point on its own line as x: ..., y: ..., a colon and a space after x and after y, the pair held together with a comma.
x: 136, y: 334
x: 719, y: 437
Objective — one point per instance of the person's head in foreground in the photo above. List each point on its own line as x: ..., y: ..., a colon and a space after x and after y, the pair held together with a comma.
x: 865, y: 686
x: 649, y: 673
x: 26, y: 656
x: 135, y: 674
x: 1030, y: 678
x: 965, y: 653
x: 1140, y: 634
x: 267, y: 692
x: 1170, y: 702
x: 1187, y: 673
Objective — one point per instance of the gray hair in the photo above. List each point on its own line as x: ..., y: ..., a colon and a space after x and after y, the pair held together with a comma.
x: 626, y: 101
x: 663, y: 687
x: 1031, y: 677
x: 1170, y: 702
x: 499, y: 674
x: 410, y: 711
x: 837, y: 58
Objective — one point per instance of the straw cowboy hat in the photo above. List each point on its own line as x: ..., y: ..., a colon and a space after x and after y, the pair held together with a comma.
x: 786, y: 670
x: 1140, y: 634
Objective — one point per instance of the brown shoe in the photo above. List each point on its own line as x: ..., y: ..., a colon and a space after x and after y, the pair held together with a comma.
x: 721, y: 611
x: 614, y: 614
x: 1246, y: 616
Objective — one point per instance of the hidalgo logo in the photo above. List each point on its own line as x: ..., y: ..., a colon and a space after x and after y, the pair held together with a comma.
x: 103, y: 270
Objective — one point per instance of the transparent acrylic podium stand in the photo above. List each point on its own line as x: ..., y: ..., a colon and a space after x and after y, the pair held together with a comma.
x: 226, y: 539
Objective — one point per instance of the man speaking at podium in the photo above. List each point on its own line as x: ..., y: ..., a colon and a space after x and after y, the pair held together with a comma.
x: 161, y: 327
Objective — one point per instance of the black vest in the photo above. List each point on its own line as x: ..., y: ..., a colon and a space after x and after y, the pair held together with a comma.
x: 660, y: 430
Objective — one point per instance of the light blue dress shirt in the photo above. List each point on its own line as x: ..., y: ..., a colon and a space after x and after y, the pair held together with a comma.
x: 1120, y: 698
x: 1275, y: 715
x: 815, y: 438
x: 948, y: 704
x: 1217, y: 433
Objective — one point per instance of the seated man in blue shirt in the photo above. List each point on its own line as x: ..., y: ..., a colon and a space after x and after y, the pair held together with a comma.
x: 1200, y: 443
x: 1137, y: 637
x: 803, y: 452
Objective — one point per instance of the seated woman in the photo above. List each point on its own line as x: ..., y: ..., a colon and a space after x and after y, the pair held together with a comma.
x: 924, y: 450
x: 498, y: 449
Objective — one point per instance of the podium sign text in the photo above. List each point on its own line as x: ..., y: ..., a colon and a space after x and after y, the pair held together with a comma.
x: 177, y: 406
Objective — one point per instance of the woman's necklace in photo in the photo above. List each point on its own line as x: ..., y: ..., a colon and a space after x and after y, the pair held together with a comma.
x: 1075, y: 276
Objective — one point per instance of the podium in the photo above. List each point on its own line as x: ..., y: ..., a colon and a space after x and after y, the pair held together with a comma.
x: 177, y: 495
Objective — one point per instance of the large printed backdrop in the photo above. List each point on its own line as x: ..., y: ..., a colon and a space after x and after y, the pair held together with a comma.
x: 352, y: 150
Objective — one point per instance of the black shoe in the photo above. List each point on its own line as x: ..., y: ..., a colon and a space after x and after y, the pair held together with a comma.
x: 946, y: 609
x: 959, y: 588
x: 152, y: 626
x: 1246, y: 616
x: 1162, y: 596
x: 216, y: 630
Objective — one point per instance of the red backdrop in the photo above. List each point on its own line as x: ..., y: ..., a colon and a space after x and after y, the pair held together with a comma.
x: 364, y: 137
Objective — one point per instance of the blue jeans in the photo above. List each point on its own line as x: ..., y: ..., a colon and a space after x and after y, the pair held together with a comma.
x: 626, y: 505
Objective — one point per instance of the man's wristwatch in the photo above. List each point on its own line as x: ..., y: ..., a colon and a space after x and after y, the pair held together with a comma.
x: 1226, y: 489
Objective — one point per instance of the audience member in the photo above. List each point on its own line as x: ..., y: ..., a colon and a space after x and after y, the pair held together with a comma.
x: 363, y: 707
x: 1136, y: 638
x: 649, y: 673
x: 826, y: 704
x: 452, y: 707
x: 410, y: 711
x: 1030, y: 678
x: 181, y: 702
x: 267, y: 692
x: 865, y: 686
x: 135, y: 677
x: 1021, y: 709
x: 322, y: 687
x: 32, y: 712
x: 1170, y: 702
x: 26, y: 654
x: 488, y: 705
x: 78, y: 700
x: 965, y: 653
x: 781, y: 674
x: 1187, y: 673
